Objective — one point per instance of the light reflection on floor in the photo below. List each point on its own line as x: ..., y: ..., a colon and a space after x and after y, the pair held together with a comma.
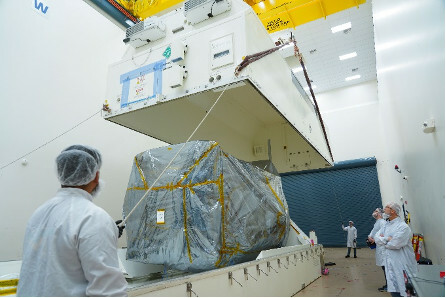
x: 350, y: 277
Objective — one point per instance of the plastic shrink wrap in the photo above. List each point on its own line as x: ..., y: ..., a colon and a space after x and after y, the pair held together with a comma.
x: 208, y: 210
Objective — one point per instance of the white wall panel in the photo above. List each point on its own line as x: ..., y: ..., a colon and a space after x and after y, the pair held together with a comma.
x: 409, y: 37
x: 52, y: 77
x: 351, y: 118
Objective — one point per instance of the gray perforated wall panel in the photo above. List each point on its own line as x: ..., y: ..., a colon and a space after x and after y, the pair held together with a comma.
x: 321, y: 200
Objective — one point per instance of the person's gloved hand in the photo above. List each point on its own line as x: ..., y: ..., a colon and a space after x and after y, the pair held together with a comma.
x: 120, y: 228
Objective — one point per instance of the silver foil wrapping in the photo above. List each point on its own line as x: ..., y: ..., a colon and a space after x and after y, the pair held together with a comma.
x: 208, y: 210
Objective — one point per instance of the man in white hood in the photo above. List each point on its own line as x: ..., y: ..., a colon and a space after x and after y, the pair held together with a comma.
x: 380, y: 249
x: 396, y: 237
x: 352, y: 234
x: 70, y: 246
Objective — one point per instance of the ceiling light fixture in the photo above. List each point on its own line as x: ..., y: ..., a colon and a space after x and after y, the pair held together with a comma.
x: 298, y: 69
x: 341, y: 27
x: 352, y: 77
x: 348, y: 56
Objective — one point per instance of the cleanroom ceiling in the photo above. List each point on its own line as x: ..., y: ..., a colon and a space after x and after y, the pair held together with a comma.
x: 321, y: 49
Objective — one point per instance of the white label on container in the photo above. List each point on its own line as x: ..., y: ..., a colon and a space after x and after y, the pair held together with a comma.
x: 141, y: 87
x: 160, y: 216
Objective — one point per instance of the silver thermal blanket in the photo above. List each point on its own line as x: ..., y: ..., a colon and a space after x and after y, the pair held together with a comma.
x: 208, y: 210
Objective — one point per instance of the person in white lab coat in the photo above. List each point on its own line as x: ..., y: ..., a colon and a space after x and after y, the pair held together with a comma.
x: 352, y: 233
x: 396, y: 237
x: 379, y: 252
x: 70, y: 245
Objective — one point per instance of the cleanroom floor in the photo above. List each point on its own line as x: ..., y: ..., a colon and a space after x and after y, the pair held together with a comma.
x: 350, y: 277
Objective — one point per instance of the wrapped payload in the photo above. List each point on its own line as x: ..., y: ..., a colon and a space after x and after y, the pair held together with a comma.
x: 208, y: 209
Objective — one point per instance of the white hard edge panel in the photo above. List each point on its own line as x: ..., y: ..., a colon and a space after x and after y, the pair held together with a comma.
x: 301, y: 117
x: 297, y: 269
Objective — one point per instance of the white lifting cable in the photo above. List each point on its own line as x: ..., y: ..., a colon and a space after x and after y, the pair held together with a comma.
x: 170, y: 162
x: 337, y: 204
x: 50, y: 141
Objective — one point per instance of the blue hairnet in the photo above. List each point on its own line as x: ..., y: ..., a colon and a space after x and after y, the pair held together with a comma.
x: 77, y: 165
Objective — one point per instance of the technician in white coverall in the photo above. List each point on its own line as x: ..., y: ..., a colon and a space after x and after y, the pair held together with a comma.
x: 352, y: 234
x: 379, y: 252
x: 396, y: 237
x: 70, y: 246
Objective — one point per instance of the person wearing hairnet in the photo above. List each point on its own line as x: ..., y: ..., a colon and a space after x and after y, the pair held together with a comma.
x: 351, y: 238
x: 379, y: 252
x: 70, y: 245
x: 399, y: 256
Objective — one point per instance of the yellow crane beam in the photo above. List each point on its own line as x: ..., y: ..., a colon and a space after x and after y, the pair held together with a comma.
x: 275, y: 15
x: 143, y: 9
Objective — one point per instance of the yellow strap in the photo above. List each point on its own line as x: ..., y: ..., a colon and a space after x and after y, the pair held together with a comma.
x: 281, y: 226
x: 198, y: 161
x: 229, y: 252
x: 11, y: 286
x: 233, y: 250
x: 190, y: 187
x: 185, y: 224
x: 9, y: 283
x: 141, y: 174
x: 7, y: 292
x: 137, y: 188
x: 171, y: 186
x: 222, y: 204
